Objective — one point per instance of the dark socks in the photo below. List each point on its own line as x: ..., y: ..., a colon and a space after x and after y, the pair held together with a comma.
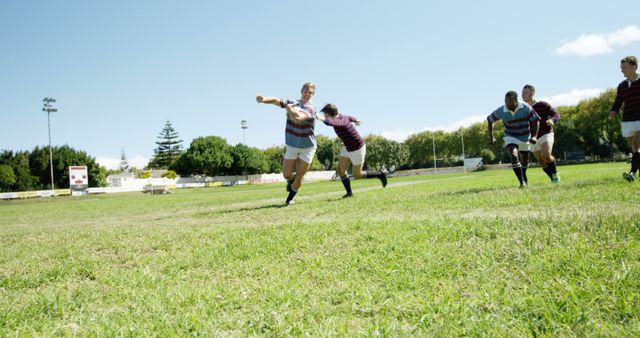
x: 524, y: 175
x: 290, y: 182
x: 378, y: 174
x: 552, y: 168
x: 547, y: 170
x: 373, y: 174
x: 347, y: 185
x: 292, y: 194
x: 635, y: 162
x: 517, y: 169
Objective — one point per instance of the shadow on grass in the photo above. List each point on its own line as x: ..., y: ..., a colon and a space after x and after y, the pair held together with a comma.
x: 244, y: 209
x: 471, y: 191
x: 564, y: 185
x: 264, y: 207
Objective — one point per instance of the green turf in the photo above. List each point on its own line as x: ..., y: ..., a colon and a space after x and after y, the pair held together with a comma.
x: 443, y: 255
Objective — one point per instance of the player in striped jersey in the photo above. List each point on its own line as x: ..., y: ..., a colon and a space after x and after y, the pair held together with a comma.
x: 520, y: 130
x: 544, y: 147
x: 353, y: 150
x: 300, y: 139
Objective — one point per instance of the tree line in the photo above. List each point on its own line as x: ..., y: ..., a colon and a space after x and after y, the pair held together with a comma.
x: 30, y: 170
x: 583, y: 127
x: 212, y: 156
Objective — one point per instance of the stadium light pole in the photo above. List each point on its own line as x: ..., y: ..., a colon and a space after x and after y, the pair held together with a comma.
x: 48, y: 107
x: 243, y: 125
x: 462, y: 139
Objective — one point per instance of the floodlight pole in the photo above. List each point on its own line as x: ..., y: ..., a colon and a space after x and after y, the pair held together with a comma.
x: 462, y: 138
x: 243, y: 125
x: 48, y: 107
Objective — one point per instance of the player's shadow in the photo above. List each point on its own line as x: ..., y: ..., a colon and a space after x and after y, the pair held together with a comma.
x: 244, y: 209
x: 275, y: 206
x: 262, y: 207
x: 470, y: 191
x: 340, y: 199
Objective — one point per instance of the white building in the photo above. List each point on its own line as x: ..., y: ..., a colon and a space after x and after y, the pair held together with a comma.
x: 123, y: 179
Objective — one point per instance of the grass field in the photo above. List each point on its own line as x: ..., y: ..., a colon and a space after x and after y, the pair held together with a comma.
x: 457, y: 254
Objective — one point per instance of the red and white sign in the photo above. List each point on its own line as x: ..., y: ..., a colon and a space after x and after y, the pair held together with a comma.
x: 78, y: 178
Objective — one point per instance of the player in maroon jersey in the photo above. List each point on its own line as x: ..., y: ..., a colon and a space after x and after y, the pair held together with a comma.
x: 353, y: 150
x: 629, y: 94
x: 544, y: 147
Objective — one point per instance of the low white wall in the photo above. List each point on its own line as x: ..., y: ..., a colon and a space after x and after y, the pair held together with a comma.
x: 198, y: 182
x: 129, y: 185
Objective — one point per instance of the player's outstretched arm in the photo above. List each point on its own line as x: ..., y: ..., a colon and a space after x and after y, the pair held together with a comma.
x: 354, y: 120
x: 268, y: 100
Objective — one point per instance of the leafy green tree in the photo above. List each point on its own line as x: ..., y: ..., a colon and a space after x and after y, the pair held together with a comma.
x: 169, y: 147
x: 397, y: 154
x: 247, y: 161
x: 19, y: 162
x: 274, y: 157
x: 316, y: 165
x: 7, y: 178
x: 110, y: 172
x: 601, y: 135
x: 382, y: 152
x: 419, y: 145
x: 170, y: 174
x: 328, y: 152
x: 566, y: 135
x: 487, y: 155
x: 476, y: 139
x: 209, y: 155
x: 64, y: 157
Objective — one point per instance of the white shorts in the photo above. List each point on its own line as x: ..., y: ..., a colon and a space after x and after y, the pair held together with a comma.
x: 356, y: 157
x: 305, y: 154
x: 522, y: 146
x: 546, y: 138
x: 630, y: 128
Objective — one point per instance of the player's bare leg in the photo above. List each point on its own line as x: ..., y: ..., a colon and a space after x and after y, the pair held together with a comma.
x: 550, y: 162
x: 288, y: 167
x: 301, y: 170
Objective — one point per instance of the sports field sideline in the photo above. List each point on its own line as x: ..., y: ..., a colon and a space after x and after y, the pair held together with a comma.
x: 451, y: 254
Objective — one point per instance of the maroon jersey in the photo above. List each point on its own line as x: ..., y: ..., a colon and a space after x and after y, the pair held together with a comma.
x: 629, y: 94
x: 546, y: 112
x: 343, y: 126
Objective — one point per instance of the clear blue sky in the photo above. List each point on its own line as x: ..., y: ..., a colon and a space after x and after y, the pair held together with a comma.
x: 119, y: 69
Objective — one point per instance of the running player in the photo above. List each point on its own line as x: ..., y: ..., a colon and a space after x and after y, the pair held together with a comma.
x: 544, y: 147
x: 520, y: 130
x: 353, y: 149
x: 629, y: 95
x: 300, y: 139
